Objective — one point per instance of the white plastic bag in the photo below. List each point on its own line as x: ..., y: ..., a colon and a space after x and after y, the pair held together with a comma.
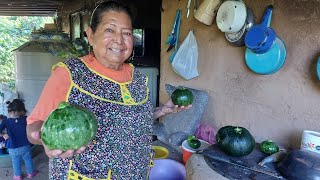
x: 185, y: 61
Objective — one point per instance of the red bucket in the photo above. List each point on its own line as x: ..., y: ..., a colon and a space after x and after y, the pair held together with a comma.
x: 187, y: 151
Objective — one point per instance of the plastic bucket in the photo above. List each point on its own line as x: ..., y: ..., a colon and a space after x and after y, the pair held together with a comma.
x: 167, y: 169
x: 310, y: 141
x: 160, y: 152
x: 187, y: 151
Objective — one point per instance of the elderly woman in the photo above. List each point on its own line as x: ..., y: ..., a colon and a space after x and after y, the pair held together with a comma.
x: 115, y: 92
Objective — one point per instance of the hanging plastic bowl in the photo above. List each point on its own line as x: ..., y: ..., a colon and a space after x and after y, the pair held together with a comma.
x: 269, y: 62
x: 231, y: 16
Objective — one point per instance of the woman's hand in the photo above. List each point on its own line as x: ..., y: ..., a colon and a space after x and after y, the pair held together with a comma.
x: 33, y: 132
x: 54, y: 153
x: 169, y: 108
x: 34, y: 136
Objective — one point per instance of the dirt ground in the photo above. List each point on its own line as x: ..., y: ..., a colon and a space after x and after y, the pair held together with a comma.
x: 40, y: 161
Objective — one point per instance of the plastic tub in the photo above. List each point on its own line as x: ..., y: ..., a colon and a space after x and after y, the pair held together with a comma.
x: 167, y: 169
x: 160, y: 152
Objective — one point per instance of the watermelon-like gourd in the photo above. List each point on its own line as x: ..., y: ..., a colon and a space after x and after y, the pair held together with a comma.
x: 182, y: 97
x: 235, y: 141
x: 69, y: 127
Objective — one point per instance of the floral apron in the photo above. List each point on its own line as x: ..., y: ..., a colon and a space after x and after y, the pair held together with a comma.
x: 121, y: 148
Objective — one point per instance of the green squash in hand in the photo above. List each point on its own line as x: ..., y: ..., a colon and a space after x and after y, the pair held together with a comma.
x: 69, y: 127
x: 182, y: 97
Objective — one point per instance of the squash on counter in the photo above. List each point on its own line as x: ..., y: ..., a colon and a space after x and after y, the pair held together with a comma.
x: 269, y: 147
x: 235, y: 141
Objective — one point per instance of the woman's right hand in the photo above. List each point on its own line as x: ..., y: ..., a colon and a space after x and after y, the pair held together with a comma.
x: 33, y: 132
x: 34, y: 136
x: 54, y: 153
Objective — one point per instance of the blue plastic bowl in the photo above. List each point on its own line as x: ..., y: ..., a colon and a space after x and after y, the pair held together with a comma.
x: 167, y: 169
x: 318, y: 68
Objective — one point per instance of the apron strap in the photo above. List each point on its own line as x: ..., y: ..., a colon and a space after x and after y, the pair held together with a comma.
x: 83, y: 177
x: 70, y: 165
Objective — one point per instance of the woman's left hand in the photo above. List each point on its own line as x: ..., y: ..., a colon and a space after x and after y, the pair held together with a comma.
x: 169, y: 108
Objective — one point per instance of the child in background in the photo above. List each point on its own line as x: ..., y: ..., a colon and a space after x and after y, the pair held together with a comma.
x: 19, y: 146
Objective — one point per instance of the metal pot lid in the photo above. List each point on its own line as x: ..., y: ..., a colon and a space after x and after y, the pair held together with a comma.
x: 269, y: 62
x: 233, y: 37
x: 260, y: 36
x: 250, y: 18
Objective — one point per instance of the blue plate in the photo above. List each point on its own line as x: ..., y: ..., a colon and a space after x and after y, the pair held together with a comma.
x: 318, y: 68
x: 282, y: 58
x: 269, y: 62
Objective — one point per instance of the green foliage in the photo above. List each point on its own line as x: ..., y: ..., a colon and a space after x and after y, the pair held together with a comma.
x: 14, y: 31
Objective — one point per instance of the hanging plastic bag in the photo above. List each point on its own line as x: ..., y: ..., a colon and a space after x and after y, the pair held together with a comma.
x: 185, y: 61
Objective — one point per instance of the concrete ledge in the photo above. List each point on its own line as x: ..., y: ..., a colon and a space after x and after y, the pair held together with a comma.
x: 198, y: 169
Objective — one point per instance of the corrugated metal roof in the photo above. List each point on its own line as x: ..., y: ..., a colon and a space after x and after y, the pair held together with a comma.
x: 29, y: 7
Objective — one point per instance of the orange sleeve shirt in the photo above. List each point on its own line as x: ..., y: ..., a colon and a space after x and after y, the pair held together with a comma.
x: 57, y: 86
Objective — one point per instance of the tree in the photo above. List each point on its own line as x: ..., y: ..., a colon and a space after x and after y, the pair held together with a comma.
x: 15, y: 31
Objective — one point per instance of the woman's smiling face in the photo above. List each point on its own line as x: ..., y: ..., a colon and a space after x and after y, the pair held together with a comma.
x: 113, y: 40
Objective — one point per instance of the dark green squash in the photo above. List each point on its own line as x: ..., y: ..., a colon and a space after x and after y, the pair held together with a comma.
x: 269, y: 147
x: 193, y: 142
x: 235, y: 141
x: 69, y: 127
x: 182, y: 97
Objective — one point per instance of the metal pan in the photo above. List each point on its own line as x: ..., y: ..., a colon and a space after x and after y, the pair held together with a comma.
x: 269, y: 62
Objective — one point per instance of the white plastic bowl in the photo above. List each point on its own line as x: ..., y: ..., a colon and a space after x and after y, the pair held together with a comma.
x: 310, y: 141
x: 231, y: 16
x: 167, y: 169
